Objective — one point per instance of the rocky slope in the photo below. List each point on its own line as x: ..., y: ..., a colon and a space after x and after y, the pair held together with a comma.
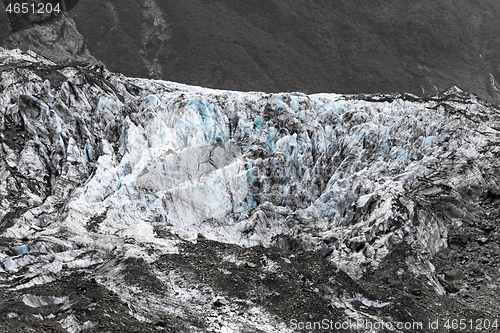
x: 143, y: 205
x: 339, y: 46
x: 52, y: 35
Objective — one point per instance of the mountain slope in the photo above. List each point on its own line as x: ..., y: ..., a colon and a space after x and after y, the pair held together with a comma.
x: 311, y: 46
x: 53, y: 35
x: 157, y: 205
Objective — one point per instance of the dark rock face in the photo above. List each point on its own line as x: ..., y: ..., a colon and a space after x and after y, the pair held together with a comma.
x: 27, y: 17
x: 51, y: 34
x: 70, y: 4
x: 310, y: 46
x: 5, y: 29
x: 26, y: 14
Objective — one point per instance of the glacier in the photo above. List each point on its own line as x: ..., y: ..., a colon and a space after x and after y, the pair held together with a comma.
x: 97, y: 166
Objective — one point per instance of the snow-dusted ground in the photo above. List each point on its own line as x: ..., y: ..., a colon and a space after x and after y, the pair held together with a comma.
x: 95, y: 163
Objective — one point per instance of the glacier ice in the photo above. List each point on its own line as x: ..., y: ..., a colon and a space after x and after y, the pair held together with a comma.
x: 206, y: 161
x: 109, y: 163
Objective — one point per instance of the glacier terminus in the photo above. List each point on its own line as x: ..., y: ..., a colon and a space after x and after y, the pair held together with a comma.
x: 168, y: 207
